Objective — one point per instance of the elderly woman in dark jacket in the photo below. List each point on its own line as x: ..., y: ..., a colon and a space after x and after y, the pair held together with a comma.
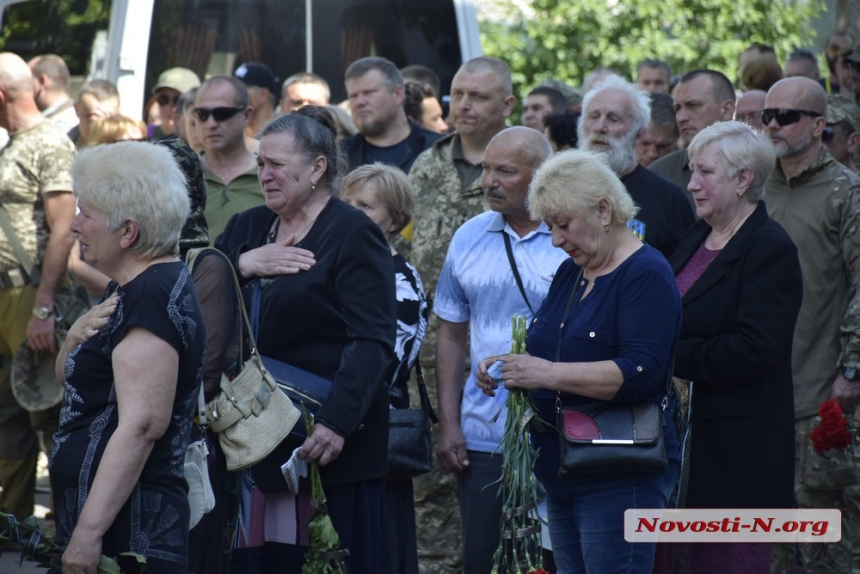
x: 740, y: 283
x: 327, y: 305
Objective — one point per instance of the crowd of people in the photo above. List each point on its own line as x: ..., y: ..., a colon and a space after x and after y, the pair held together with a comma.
x: 673, y: 240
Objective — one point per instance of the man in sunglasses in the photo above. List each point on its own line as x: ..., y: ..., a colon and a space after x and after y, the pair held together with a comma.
x: 817, y: 201
x: 222, y: 110
x: 171, y: 84
x: 849, y: 78
x: 840, y: 135
x: 702, y: 98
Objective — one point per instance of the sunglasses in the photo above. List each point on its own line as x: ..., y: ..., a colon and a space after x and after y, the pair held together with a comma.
x: 219, y: 114
x: 785, y: 117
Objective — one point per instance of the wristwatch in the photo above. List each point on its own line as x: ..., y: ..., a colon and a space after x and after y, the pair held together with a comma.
x: 851, y: 374
x: 42, y: 312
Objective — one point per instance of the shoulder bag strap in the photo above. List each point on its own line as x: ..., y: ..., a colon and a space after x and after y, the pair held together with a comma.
x: 23, y: 257
x: 516, y: 271
x: 422, y: 394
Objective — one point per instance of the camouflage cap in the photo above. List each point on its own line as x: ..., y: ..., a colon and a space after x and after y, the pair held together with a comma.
x: 195, y: 232
x: 841, y: 108
x: 33, y: 381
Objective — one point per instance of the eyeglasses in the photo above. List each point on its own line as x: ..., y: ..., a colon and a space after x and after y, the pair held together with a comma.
x: 219, y: 114
x: 785, y: 117
x: 167, y: 100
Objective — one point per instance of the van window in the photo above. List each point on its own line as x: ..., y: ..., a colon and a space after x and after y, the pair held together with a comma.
x: 214, y: 37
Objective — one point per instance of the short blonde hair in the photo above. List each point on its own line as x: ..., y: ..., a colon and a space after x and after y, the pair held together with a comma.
x: 114, y: 129
x: 395, y: 191
x: 574, y: 181
x: 135, y: 181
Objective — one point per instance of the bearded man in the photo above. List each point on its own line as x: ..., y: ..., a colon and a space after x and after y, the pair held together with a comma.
x: 614, y: 114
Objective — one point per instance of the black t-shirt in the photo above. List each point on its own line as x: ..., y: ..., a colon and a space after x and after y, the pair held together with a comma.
x: 391, y: 155
x: 664, y: 210
x: 154, y: 520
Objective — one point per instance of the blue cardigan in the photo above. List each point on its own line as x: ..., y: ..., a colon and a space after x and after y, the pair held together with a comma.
x: 632, y: 316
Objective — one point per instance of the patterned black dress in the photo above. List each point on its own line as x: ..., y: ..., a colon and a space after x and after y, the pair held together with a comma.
x: 399, y: 498
x: 154, y: 520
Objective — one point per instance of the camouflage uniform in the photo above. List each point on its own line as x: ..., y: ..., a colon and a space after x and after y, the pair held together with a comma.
x: 35, y: 162
x: 820, y: 210
x: 839, y: 109
x: 442, y: 204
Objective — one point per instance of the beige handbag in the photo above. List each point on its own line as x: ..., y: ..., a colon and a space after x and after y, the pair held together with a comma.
x: 251, y: 415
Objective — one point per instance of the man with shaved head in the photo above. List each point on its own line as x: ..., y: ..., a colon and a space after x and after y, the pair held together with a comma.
x: 749, y: 108
x: 817, y: 201
x: 36, y: 198
x: 475, y: 299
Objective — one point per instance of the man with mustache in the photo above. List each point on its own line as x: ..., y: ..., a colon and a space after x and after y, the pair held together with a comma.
x: 614, y: 114
x: 476, y: 297
x: 817, y: 201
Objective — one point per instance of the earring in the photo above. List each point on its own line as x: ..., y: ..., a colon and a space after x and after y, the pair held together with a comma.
x: 740, y: 194
x: 606, y: 228
x: 313, y: 185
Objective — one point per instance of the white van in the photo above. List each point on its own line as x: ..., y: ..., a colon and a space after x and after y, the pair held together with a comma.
x: 130, y: 42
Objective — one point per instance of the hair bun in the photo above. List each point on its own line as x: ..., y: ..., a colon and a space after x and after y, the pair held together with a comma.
x: 321, y: 114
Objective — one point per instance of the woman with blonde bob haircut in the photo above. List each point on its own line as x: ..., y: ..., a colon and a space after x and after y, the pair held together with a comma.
x: 116, y: 128
x: 132, y: 368
x: 606, y: 332
x: 389, y: 186
x: 385, y: 195
x: 739, y: 277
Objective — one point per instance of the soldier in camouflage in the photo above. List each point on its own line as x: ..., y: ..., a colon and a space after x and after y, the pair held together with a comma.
x: 35, y: 192
x: 842, y: 134
x: 817, y: 202
x: 447, y: 183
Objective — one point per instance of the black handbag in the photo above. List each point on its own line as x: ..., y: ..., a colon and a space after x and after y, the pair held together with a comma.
x: 306, y: 390
x: 601, y: 437
x: 410, y: 450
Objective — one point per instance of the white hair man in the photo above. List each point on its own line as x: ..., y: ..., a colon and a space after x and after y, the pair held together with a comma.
x: 614, y: 114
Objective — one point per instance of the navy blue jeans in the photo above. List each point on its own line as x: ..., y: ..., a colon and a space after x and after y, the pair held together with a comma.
x: 586, y: 520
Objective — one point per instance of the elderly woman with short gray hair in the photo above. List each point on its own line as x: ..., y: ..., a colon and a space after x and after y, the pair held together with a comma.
x: 132, y: 368
x: 740, y: 283
x: 606, y: 333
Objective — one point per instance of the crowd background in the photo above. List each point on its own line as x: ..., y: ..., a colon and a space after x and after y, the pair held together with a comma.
x: 401, y: 117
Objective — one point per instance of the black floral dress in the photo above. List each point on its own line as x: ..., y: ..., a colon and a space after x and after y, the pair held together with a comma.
x: 399, y: 501
x: 154, y: 520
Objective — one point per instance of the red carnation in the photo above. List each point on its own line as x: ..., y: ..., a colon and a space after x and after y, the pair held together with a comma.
x: 832, y: 432
x: 539, y: 571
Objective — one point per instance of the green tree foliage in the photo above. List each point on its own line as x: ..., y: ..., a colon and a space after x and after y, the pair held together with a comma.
x: 62, y: 27
x: 567, y: 39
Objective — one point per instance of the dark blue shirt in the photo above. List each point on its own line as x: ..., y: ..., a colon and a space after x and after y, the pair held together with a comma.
x: 632, y: 316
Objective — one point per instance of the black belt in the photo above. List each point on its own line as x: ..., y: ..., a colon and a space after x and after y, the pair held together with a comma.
x: 14, y: 278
